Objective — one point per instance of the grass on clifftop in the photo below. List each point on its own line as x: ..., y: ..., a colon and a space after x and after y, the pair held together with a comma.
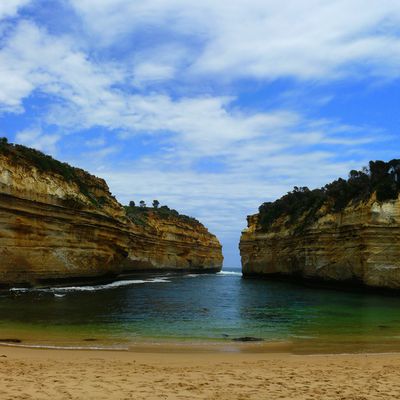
x: 140, y: 214
x: 380, y: 177
x: 45, y: 163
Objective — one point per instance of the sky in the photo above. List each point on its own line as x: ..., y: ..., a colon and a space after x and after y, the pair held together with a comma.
x: 211, y: 107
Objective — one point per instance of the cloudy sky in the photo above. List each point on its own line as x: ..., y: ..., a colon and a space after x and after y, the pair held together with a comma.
x: 211, y: 107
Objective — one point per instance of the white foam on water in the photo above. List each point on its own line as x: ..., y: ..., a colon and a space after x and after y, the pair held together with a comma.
x: 229, y: 273
x: 54, y: 347
x: 113, y: 285
x: 158, y: 280
x: 221, y: 273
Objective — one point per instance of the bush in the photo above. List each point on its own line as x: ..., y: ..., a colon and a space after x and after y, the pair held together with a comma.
x: 386, y: 191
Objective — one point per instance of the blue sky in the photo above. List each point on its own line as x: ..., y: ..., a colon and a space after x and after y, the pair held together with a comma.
x: 211, y: 107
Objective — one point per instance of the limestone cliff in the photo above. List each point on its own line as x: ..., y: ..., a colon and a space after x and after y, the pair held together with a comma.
x: 60, y: 223
x: 356, y: 244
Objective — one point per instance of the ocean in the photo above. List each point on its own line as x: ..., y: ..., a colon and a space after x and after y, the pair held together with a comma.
x: 200, y: 308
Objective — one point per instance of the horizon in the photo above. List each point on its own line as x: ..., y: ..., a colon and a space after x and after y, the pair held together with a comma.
x: 212, y: 109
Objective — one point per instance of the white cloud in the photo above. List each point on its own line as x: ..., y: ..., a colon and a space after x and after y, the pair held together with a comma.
x: 102, y: 153
x: 149, y: 72
x: 35, y: 138
x: 96, y: 142
x: 32, y: 60
x: 158, y: 63
x: 205, y: 126
x: 263, y: 38
x: 8, y: 8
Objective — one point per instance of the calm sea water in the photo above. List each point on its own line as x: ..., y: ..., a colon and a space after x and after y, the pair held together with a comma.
x: 211, y: 307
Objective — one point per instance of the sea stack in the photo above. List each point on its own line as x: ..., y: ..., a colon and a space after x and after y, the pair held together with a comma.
x: 61, y: 224
x: 346, y: 234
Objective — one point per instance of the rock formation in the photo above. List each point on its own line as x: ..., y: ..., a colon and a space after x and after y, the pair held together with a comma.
x: 356, y: 243
x: 59, y: 223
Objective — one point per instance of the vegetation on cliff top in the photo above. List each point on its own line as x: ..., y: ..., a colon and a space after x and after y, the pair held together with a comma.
x: 34, y: 158
x: 140, y: 214
x: 45, y: 163
x: 381, y: 178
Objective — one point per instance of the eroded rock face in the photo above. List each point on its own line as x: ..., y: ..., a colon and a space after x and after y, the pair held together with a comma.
x: 53, y: 228
x: 360, y: 245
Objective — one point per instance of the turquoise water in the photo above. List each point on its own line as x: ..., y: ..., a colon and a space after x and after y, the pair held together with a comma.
x: 212, y: 307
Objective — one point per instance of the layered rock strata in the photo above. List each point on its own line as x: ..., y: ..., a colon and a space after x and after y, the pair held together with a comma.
x: 63, y: 224
x: 359, y: 245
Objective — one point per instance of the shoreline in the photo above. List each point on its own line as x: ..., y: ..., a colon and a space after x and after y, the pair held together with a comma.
x: 170, y: 347
x: 82, y: 374
x: 166, y: 350
x: 311, y: 348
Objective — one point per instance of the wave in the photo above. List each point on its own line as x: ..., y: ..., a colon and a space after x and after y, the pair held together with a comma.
x: 61, y: 291
x: 230, y: 273
x: 221, y: 273
x: 113, y: 285
x: 157, y: 280
x: 54, y: 347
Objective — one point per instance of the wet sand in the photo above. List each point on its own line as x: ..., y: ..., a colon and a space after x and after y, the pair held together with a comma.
x: 82, y: 374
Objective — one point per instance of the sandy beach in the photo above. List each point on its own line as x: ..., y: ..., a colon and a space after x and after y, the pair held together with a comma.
x: 76, y: 374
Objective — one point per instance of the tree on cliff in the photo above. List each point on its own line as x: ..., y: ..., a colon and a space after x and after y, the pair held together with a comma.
x: 380, y: 178
x: 156, y: 203
x: 132, y: 204
x: 142, y: 203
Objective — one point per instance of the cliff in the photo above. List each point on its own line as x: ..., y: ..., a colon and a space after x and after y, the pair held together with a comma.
x: 59, y: 223
x: 321, y: 237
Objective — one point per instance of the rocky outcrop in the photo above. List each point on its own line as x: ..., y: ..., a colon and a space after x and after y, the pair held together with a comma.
x: 357, y: 245
x: 60, y: 223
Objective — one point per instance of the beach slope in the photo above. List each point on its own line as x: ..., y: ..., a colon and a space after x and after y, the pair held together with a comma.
x: 70, y: 374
